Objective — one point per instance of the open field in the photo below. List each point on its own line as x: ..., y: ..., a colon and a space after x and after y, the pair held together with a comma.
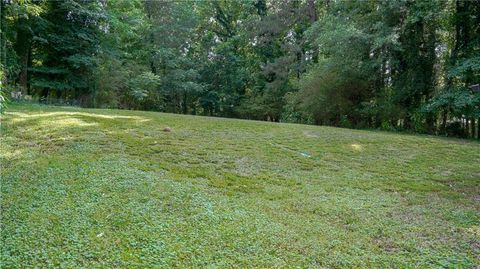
x: 108, y: 188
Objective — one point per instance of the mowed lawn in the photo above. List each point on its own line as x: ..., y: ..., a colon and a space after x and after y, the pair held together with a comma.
x: 108, y: 188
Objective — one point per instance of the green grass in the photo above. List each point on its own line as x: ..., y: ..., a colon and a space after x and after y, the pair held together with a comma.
x: 108, y: 188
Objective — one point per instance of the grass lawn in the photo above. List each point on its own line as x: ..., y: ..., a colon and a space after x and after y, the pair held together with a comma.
x: 108, y: 188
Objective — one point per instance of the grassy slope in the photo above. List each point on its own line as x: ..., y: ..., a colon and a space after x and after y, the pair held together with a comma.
x: 108, y: 188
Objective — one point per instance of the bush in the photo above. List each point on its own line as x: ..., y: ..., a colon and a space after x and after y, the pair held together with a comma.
x: 455, y: 129
x: 142, y: 85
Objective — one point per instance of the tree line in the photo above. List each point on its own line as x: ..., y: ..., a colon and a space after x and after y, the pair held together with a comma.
x: 395, y: 65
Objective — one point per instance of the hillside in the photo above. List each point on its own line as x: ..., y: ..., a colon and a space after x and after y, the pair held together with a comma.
x: 109, y: 188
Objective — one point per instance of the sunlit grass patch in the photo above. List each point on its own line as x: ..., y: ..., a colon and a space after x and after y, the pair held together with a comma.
x: 356, y: 147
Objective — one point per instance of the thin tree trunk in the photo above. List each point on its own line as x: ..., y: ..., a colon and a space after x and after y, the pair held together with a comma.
x: 430, y: 123
x: 472, y: 127
x: 3, y: 45
x: 22, y: 48
x: 312, y: 14
x: 478, y: 128
x: 29, y: 75
x: 185, y: 109
x: 444, y: 123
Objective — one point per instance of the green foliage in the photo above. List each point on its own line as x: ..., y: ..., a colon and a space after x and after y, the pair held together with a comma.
x: 359, y: 64
x: 144, y: 85
x: 457, y: 103
x: 123, y: 54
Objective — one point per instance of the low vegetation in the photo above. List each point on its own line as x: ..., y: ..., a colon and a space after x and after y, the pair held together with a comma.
x: 108, y: 188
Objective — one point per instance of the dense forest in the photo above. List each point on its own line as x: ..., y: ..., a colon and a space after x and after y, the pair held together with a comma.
x: 395, y: 65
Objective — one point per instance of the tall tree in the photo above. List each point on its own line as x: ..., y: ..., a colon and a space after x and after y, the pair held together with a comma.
x: 69, y: 42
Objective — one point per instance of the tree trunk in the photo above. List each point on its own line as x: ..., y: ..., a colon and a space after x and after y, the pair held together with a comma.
x: 430, y: 121
x: 151, y: 39
x: 23, y: 76
x: 22, y: 48
x: 312, y: 14
x: 2, y: 38
x: 45, y: 95
x: 444, y: 123
x: 185, y: 108
x: 29, y: 75
x: 478, y: 128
